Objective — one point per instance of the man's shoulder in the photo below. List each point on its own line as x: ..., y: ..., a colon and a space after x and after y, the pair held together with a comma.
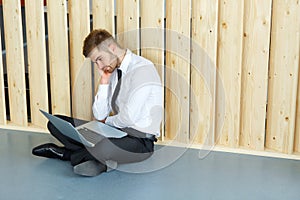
x: 140, y: 60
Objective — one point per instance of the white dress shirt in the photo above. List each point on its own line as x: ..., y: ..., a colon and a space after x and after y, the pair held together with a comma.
x: 139, y: 100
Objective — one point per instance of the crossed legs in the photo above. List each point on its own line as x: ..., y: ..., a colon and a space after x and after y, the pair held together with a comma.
x: 121, y: 150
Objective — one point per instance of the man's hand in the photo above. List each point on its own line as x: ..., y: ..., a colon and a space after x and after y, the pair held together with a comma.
x: 103, y: 120
x: 105, y: 76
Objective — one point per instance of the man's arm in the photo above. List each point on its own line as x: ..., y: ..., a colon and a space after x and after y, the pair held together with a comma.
x: 100, y: 106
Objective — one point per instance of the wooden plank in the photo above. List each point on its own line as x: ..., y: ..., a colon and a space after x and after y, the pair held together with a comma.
x: 58, y: 57
x: 128, y: 24
x: 203, y: 71
x: 2, y: 94
x: 81, y: 74
x: 152, y: 37
x: 15, y: 61
x: 229, y: 65
x: 257, y: 24
x: 103, y: 17
x: 178, y: 17
x: 37, y: 66
x: 297, y: 132
x: 283, y: 75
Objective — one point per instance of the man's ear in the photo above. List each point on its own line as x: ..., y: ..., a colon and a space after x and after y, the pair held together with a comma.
x: 112, y: 47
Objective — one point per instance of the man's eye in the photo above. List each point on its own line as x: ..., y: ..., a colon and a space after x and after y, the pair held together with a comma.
x: 98, y: 59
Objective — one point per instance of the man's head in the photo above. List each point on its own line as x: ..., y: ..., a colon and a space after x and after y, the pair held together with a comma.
x: 103, y: 50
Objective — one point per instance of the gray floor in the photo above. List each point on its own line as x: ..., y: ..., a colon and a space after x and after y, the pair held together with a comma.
x: 217, y: 176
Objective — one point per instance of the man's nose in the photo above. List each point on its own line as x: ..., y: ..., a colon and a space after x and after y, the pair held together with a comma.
x: 99, y: 65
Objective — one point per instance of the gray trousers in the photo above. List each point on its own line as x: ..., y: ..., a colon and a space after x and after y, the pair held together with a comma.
x: 127, y: 149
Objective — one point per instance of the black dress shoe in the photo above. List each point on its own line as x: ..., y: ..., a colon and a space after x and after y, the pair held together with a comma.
x: 50, y: 150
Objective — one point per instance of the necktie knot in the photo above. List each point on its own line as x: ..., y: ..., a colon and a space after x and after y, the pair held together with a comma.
x: 119, y: 73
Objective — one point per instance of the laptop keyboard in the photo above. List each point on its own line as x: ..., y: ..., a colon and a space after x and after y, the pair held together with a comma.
x: 90, y: 135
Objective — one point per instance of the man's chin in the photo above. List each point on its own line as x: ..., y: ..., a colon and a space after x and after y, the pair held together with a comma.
x: 108, y: 70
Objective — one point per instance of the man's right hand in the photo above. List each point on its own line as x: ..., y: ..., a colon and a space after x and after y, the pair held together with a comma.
x: 105, y: 77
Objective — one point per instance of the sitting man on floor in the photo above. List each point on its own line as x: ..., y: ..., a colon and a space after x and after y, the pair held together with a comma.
x: 129, y: 98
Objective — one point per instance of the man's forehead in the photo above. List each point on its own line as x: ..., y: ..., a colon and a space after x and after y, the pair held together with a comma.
x: 95, y: 52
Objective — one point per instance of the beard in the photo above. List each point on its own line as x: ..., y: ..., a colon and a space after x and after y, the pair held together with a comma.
x: 108, y: 69
x: 113, y: 64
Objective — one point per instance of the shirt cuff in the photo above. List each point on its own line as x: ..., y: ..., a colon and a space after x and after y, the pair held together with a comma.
x: 111, y: 120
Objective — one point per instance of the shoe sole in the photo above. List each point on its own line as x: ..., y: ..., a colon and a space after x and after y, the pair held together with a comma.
x: 89, y: 168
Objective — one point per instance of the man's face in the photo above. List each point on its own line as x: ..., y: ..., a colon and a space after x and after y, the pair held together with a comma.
x: 106, y: 61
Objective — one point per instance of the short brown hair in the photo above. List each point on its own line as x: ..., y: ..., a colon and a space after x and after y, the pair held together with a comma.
x: 95, y: 38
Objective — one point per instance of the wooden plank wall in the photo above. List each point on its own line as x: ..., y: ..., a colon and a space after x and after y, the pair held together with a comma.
x: 81, y: 72
x: 15, y: 61
x: 152, y: 37
x: 283, y: 76
x: 177, y: 69
x: 37, y: 66
x: 247, y: 50
x: 203, y: 74
x: 256, y: 39
x: 229, y: 64
x: 128, y: 13
x: 103, y: 15
x: 59, y: 57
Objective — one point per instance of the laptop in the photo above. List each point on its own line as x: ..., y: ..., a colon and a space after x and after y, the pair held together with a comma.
x: 88, y: 134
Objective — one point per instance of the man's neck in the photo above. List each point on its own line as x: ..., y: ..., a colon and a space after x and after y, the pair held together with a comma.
x: 121, y: 56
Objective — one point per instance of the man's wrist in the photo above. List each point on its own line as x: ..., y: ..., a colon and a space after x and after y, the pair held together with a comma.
x: 103, y: 120
x: 104, y: 82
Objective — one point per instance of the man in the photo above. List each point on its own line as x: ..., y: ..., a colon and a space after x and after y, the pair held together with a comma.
x: 129, y: 98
